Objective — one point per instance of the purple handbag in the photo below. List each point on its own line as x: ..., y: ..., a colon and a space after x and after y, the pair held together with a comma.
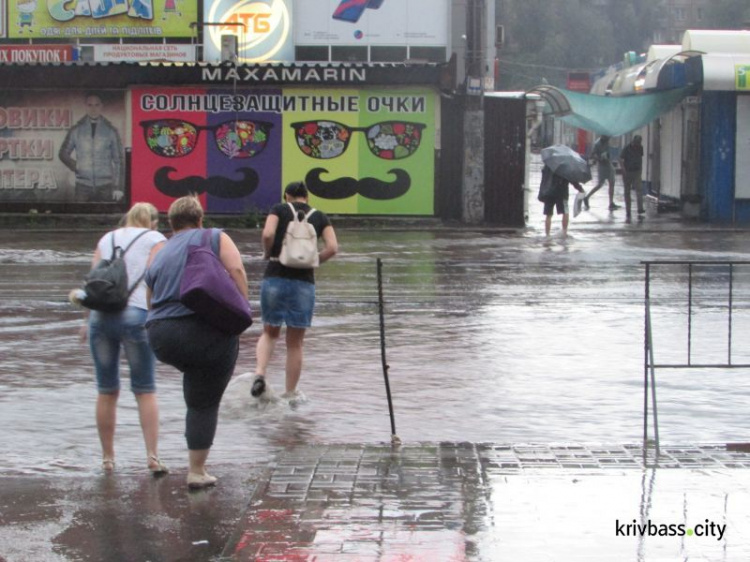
x: 208, y: 290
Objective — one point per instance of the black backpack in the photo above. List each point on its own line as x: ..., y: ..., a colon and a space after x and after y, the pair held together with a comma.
x: 106, y: 286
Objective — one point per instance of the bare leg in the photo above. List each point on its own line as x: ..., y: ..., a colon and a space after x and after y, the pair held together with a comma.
x: 565, y: 221
x: 148, y: 414
x: 547, y: 224
x: 295, y: 338
x: 611, y: 192
x: 106, y: 418
x: 264, y: 349
x: 197, y: 459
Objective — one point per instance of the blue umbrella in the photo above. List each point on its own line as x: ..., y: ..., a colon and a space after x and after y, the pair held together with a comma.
x: 567, y: 163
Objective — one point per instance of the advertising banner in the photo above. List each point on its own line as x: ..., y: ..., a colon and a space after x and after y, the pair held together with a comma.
x: 372, y: 22
x: 36, y: 53
x: 262, y: 28
x: 61, y: 147
x: 131, y: 52
x: 368, y: 151
x: 88, y: 19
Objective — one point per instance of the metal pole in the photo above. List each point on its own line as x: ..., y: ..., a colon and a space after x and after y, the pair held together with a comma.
x: 394, y: 437
x: 645, y: 357
x: 729, y: 335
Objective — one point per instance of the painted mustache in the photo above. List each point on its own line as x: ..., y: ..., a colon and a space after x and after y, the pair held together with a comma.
x: 372, y: 188
x: 218, y: 186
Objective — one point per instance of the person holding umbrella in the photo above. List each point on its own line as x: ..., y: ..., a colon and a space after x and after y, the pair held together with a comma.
x: 562, y: 166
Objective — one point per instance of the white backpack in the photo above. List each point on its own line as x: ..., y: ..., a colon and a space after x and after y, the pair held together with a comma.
x: 300, y: 246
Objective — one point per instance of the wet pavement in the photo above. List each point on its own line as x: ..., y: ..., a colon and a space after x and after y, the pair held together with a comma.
x: 501, y: 456
x: 416, y: 502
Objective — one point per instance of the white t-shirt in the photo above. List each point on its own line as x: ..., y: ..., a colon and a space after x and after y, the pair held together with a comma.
x: 136, y: 257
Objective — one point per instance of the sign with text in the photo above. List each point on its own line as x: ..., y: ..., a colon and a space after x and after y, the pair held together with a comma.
x: 36, y: 53
x: 61, y: 147
x: 262, y: 28
x: 372, y: 22
x: 87, y: 19
x: 144, y: 52
x: 360, y: 151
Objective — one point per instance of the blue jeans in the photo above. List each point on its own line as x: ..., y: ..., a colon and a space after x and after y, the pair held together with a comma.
x: 287, y: 301
x: 108, y: 333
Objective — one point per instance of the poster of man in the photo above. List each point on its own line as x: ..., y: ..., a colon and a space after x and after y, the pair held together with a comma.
x: 92, y: 150
x: 50, y: 151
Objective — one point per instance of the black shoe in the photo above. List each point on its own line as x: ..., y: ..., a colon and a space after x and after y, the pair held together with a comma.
x: 612, y: 207
x: 586, y: 203
x: 259, y: 386
x: 641, y: 211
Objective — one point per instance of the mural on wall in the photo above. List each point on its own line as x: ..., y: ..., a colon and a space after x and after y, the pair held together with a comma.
x: 360, y: 151
x: 62, y: 147
x: 262, y: 29
x: 88, y: 19
x: 218, y: 144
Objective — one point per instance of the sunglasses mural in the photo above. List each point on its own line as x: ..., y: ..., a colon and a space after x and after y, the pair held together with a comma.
x: 360, y: 152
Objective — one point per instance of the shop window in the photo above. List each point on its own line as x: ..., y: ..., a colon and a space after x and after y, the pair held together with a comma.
x: 429, y: 54
x: 314, y: 53
x: 349, y: 54
x: 387, y: 54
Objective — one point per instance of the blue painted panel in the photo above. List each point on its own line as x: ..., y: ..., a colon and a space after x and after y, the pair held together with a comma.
x: 717, y: 154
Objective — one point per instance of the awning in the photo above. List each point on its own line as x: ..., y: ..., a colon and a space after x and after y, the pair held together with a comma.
x: 609, y: 115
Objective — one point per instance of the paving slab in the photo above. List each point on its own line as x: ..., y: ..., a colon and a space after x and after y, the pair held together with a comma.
x: 487, y: 502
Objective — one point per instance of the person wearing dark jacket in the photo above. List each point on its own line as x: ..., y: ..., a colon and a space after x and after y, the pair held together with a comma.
x: 554, y: 194
x: 631, y: 158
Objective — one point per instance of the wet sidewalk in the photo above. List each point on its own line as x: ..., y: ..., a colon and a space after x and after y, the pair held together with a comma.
x: 481, y: 502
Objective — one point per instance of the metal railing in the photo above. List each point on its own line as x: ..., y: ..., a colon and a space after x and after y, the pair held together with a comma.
x: 649, y: 362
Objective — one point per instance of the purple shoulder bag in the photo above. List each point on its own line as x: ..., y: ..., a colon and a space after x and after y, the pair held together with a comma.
x: 208, y: 290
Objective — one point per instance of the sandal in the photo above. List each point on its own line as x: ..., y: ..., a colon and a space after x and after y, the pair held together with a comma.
x: 157, y: 467
x: 108, y: 465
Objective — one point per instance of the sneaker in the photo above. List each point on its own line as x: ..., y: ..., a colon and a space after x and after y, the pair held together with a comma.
x: 295, y: 397
x: 259, y: 386
x: 612, y: 207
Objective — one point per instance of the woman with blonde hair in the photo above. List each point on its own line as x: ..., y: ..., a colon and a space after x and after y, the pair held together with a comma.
x: 109, y: 332
x: 204, y: 354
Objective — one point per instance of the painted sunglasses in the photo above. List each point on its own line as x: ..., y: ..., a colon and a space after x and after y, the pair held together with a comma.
x: 236, y: 138
x: 389, y: 140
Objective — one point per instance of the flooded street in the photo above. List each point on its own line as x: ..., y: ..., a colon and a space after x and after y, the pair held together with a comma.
x: 491, y: 337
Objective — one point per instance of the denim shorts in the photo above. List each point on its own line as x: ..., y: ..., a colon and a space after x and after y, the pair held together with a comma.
x: 287, y: 301
x: 110, y: 332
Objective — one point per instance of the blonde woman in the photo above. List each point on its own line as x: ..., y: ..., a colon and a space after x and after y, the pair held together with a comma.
x: 110, y: 332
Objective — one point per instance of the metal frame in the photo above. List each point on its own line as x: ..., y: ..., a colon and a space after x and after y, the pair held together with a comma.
x: 649, y: 363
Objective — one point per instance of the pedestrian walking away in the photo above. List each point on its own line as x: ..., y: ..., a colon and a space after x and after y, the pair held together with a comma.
x: 204, y: 354
x: 109, y: 332
x: 554, y: 193
x: 287, y: 294
x: 605, y: 171
x: 631, y: 158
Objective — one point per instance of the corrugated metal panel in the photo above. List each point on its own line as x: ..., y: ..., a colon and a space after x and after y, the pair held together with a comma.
x: 718, y: 152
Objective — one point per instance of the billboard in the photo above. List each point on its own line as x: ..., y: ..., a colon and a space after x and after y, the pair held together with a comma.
x: 372, y: 22
x: 62, y: 146
x: 262, y: 29
x: 89, y: 19
x: 360, y: 151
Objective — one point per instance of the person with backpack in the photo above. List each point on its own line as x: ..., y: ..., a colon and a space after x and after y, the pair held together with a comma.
x: 110, y: 331
x: 287, y: 292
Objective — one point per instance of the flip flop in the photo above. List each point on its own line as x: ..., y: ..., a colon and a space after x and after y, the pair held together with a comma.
x: 157, y: 467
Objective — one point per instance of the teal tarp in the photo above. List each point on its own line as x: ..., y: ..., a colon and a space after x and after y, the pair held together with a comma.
x: 617, y: 115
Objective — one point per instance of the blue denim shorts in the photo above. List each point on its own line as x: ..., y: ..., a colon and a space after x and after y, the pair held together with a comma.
x: 110, y: 332
x: 287, y: 301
